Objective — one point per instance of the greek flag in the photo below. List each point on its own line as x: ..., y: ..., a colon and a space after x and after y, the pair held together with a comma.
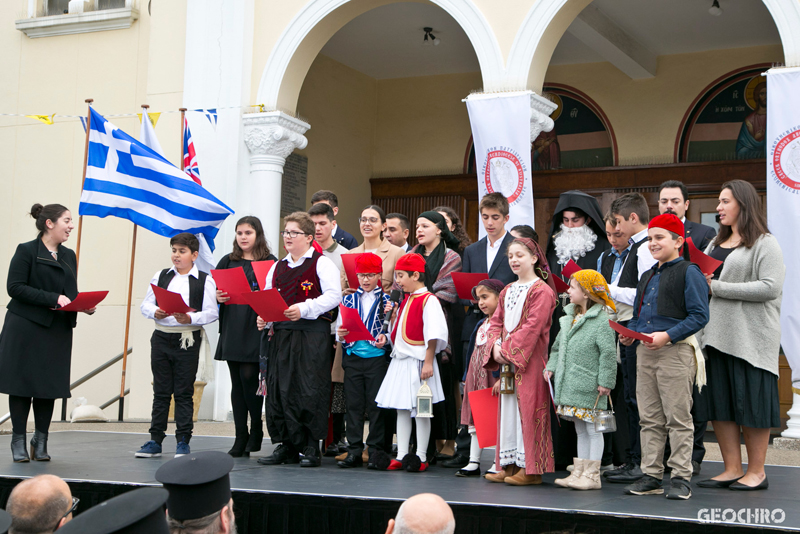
x: 126, y: 179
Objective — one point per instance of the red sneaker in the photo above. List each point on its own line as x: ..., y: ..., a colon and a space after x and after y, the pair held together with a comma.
x: 395, y: 465
x: 423, y: 466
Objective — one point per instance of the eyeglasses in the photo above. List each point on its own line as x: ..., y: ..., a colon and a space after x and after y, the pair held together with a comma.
x: 292, y: 233
x: 366, y: 276
x: 371, y: 220
x: 74, y: 507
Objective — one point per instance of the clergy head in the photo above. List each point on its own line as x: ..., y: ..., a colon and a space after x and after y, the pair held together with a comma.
x: 577, y: 228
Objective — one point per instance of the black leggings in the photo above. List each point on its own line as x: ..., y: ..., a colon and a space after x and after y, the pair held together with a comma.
x: 20, y: 407
x: 244, y: 384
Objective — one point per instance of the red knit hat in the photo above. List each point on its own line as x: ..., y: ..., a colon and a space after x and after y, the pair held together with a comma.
x: 411, y: 263
x: 669, y: 222
x: 369, y: 263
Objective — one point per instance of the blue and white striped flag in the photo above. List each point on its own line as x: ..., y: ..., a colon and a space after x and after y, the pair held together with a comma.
x: 126, y: 179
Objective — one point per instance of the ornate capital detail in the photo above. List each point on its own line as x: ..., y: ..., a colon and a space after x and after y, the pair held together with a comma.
x: 274, y: 134
x: 541, y: 108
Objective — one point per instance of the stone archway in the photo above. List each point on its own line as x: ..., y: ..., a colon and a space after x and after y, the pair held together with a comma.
x: 316, y: 23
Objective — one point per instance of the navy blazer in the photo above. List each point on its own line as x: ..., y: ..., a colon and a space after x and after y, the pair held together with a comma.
x: 474, y: 261
x: 701, y: 236
x: 36, y: 280
x: 344, y: 238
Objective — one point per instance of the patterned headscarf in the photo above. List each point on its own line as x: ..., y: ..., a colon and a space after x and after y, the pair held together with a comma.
x: 542, y: 269
x: 593, y: 283
x: 492, y: 284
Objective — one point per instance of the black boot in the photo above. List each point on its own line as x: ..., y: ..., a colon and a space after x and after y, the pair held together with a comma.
x: 256, y: 437
x: 18, y: 448
x: 39, y: 446
x: 239, y: 445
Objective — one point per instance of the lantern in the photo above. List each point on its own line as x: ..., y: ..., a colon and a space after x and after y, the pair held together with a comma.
x: 506, y: 379
x: 424, y: 401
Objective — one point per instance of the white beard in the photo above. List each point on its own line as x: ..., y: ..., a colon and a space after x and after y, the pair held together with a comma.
x: 574, y: 243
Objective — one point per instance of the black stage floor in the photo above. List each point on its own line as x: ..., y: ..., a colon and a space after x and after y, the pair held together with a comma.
x: 99, y: 465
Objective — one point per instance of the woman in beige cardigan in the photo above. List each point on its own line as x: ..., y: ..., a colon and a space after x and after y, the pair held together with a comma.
x: 372, y: 223
x: 742, y: 337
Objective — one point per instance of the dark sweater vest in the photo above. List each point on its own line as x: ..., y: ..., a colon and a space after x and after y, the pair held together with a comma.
x: 196, y: 286
x: 299, y: 285
x: 607, y: 266
x: 629, y: 277
x: 671, y: 285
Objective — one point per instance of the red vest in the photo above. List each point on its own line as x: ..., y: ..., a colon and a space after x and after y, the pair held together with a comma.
x: 298, y: 284
x: 411, y: 329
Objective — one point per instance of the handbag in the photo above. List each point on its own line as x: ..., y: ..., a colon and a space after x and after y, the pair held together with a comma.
x: 604, y: 420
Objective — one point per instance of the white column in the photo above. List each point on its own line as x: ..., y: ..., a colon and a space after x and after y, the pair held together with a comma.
x: 793, y: 424
x: 270, y: 137
x: 541, y: 108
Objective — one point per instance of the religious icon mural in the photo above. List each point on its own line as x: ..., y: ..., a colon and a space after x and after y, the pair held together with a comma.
x: 728, y: 120
x: 582, y: 136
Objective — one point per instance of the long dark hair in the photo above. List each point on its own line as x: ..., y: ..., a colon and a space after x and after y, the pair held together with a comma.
x: 458, y: 228
x: 752, y: 222
x: 42, y: 214
x: 260, y: 247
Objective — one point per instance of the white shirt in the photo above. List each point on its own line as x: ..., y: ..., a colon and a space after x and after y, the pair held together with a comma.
x: 644, y: 261
x: 492, y: 250
x: 180, y: 284
x: 434, y: 326
x: 329, y: 280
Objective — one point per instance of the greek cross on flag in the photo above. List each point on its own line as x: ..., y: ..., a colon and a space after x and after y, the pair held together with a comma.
x: 127, y: 179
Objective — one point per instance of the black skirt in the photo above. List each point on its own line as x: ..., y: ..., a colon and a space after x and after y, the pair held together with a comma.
x: 34, y: 359
x: 739, y: 392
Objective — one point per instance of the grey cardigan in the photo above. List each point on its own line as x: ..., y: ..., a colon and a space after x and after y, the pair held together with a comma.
x: 745, y: 305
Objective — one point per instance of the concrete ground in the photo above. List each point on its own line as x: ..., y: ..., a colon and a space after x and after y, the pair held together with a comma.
x: 209, y: 428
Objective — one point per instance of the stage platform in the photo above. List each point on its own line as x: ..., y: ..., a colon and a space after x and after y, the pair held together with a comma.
x: 328, y: 499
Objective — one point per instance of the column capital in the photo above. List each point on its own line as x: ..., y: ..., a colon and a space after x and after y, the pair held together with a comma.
x: 273, y: 135
x: 541, y: 108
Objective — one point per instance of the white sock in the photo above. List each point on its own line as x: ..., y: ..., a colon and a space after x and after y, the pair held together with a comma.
x: 403, y: 432
x: 471, y: 466
x: 474, y: 450
x: 423, y: 436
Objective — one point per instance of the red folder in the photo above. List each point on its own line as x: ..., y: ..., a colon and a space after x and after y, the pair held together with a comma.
x: 628, y: 332
x: 261, y: 270
x: 464, y: 283
x: 570, y: 268
x: 706, y: 263
x: 484, y: 413
x: 349, y: 263
x: 561, y: 286
x: 170, y: 302
x: 85, y: 301
x: 352, y: 321
x: 233, y: 282
x: 269, y: 304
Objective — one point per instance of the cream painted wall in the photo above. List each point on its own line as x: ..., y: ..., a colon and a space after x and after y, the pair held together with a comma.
x: 646, y: 114
x: 121, y: 70
x: 340, y: 104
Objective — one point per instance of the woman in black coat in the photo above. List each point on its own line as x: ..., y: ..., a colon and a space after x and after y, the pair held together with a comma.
x: 36, y: 340
x: 239, y: 337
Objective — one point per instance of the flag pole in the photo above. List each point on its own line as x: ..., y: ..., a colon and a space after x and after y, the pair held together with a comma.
x: 145, y: 116
x: 83, y: 181
x: 183, y: 132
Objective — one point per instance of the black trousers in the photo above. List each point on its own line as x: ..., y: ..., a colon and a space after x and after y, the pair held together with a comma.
x: 244, y: 401
x: 362, y: 380
x: 628, y: 357
x: 298, y: 387
x: 174, y: 371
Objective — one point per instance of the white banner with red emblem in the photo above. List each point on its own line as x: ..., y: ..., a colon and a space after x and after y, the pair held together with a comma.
x: 501, y: 134
x: 783, y: 208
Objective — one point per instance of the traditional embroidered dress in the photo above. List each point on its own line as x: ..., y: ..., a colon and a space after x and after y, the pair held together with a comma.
x: 521, y: 326
x: 477, y: 376
x: 420, y: 320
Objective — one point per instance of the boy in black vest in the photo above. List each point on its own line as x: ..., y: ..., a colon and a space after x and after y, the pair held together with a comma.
x: 175, y: 345
x: 671, y: 306
x: 631, y: 215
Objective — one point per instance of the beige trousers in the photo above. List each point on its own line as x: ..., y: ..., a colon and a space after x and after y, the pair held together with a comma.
x: 664, y: 379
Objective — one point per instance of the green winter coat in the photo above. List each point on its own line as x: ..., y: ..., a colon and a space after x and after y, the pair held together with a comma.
x: 584, y: 356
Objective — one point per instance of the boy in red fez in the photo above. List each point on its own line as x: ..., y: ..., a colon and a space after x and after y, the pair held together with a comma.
x: 364, y: 366
x: 671, y: 305
x: 419, y: 331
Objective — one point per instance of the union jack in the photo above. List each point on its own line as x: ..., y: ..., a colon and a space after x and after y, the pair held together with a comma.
x: 189, y: 156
